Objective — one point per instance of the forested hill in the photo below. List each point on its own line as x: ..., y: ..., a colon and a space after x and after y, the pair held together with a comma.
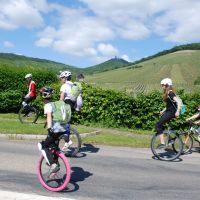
x: 192, y: 46
x: 111, y: 64
x: 14, y: 60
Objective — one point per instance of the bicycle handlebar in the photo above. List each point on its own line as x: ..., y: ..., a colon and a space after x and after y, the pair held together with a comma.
x: 191, y: 123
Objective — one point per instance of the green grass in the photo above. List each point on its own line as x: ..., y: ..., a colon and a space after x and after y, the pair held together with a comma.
x: 118, y: 140
x: 9, y: 124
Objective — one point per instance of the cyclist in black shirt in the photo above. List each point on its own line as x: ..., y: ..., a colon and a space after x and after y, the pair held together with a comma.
x: 170, y: 111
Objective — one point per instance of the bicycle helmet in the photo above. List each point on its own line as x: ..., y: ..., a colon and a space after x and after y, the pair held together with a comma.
x: 65, y: 74
x: 46, y: 92
x: 28, y: 76
x: 166, y: 81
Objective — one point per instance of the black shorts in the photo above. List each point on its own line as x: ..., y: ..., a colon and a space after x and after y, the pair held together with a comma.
x: 29, y: 99
x: 166, y: 117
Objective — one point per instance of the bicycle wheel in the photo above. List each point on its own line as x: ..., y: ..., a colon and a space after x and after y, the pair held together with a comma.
x: 170, y: 151
x: 187, y: 142
x: 76, y: 143
x: 55, y: 181
x: 28, y: 117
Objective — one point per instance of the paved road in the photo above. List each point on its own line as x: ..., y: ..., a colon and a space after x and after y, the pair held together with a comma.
x: 101, y: 172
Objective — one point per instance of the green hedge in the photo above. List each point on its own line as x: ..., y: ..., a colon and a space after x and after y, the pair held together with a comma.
x: 105, y: 107
x: 114, y: 109
x: 12, y: 78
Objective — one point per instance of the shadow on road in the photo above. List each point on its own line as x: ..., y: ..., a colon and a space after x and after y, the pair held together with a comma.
x: 78, y: 175
x: 86, y: 148
x: 176, y: 160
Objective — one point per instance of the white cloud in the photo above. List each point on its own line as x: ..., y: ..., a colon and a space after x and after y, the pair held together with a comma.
x: 8, y: 44
x: 90, y: 30
x: 175, y: 21
x: 126, y: 57
x: 19, y: 13
x: 180, y: 23
x: 76, y: 34
x: 107, y: 50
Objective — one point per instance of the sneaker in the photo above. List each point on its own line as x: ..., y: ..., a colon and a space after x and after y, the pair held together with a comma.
x: 170, y: 142
x: 54, y: 168
x: 43, y: 152
x: 29, y: 114
x: 67, y: 145
x: 161, y: 146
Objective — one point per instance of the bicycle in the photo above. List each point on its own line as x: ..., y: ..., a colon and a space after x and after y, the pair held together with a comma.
x: 28, y: 114
x: 172, y: 148
x: 74, y: 148
x: 190, y: 137
x: 59, y: 180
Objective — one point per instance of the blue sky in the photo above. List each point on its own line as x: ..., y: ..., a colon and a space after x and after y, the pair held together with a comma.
x: 87, y: 32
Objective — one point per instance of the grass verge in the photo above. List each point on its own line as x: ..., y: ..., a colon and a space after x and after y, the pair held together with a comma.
x: 9, y: 124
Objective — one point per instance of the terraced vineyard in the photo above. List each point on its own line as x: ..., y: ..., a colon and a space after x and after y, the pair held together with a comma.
x: 182, y: 66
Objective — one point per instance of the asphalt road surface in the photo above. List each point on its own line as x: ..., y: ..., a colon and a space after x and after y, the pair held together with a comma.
x: 103, y: 172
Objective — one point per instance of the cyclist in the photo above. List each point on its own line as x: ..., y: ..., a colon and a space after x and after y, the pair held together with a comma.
x: 79, y: 100
x: 194, y: 117
x: 31, y: 95
x: 65, y: 91
x: 170, y: 111
x: 55, y: 129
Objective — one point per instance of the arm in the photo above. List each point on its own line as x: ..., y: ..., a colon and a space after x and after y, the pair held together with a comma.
x: 162, y: 111
x: 49, y: 120
x: 197, y: 122
x: 195, y: 116
x: 62, y: 96
x: 178, y: 106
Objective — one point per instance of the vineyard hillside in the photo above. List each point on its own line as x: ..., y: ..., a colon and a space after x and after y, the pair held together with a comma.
x: 182, y: 66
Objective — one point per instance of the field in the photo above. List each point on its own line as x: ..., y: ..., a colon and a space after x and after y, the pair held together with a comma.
x: 182, y: 66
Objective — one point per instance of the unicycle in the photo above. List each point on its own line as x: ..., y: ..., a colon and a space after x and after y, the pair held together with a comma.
x: 54, y: 181
x: 74, y: 148
x: 28, y: 114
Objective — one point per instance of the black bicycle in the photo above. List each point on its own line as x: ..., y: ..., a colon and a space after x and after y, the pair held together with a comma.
x: 171, y: 149
x: 28, y: 114
x: 190, y: 137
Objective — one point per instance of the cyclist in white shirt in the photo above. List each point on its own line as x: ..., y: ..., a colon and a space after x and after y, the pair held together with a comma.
x: 66, y: 87
x: 65, y: 96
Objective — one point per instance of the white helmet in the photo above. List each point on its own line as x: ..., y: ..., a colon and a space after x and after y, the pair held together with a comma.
x: 28, y: 76
x: 166, y: 81
x: 65, y: 74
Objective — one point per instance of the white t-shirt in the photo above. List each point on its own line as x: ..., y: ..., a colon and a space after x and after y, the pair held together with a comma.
x: 48, y: 108
x: 66, y: 88
x: 57, y: 127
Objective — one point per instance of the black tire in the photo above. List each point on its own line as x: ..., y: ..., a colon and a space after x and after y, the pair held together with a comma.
x: 187, y: 142
x: 76, y: 143
x: 171, y: 151
x: 28, y: 118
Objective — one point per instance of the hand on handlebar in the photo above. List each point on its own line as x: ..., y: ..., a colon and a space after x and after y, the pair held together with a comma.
x: 191, y: 122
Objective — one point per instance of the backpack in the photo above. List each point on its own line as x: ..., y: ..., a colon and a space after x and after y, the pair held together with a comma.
x: 182, y: 108
x: 61, y: 112
x: 75, y: 91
